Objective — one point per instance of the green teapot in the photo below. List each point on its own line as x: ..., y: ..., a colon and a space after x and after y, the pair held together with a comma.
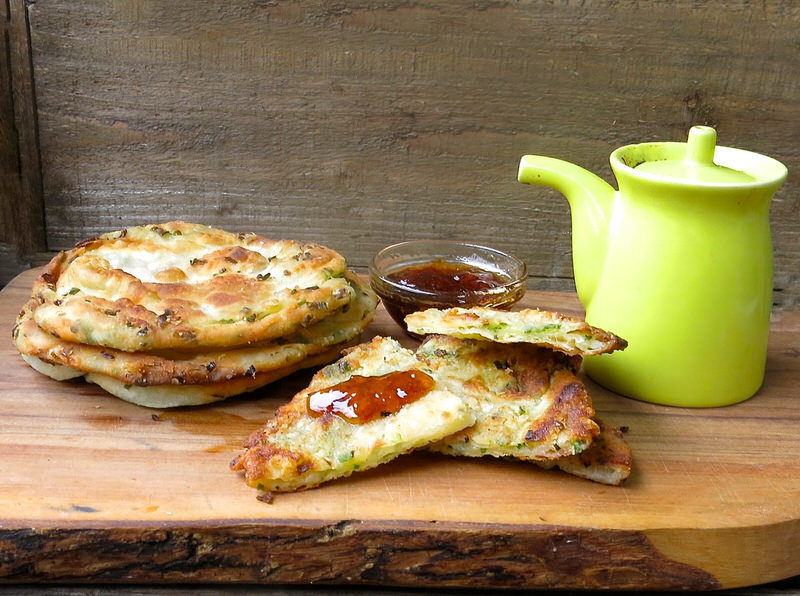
x: 678, y: 262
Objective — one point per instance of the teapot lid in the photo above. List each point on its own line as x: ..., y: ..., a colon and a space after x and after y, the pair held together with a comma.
x: 697, y: 164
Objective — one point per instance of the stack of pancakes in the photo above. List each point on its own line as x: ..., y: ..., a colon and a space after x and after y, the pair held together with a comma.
x: 180, y: 314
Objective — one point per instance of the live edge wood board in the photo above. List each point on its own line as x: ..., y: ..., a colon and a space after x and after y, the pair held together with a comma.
x: 93, y: 489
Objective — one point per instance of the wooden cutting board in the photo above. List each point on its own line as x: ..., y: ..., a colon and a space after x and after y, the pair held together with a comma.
x: 95, y: 489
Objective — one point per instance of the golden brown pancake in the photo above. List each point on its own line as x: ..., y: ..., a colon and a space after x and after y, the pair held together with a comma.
x: 183, y: 314
x: 486, y: 399
x: 175, y: 395
x: 186, y: 367
x: 178, y: 285
x: 530, y: 403
x: 299, y: 449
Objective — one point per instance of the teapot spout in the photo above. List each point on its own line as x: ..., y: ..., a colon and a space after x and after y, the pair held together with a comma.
x: 590, y: 199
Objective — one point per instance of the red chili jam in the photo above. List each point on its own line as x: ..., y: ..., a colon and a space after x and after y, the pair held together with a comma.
x: 361, y: 399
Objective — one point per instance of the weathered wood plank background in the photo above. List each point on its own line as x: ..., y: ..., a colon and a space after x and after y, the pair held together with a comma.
x: 360, y: 123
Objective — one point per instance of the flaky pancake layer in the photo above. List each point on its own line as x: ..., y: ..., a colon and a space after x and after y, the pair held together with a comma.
x: 296, y: 450
x: 197, y: 367
x: 178, y: 285
x: 569, y: 335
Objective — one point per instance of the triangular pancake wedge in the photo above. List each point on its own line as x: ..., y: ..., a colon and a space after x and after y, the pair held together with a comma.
x: 530, y: 403
x: 320, y: 435
x: 540, y: 327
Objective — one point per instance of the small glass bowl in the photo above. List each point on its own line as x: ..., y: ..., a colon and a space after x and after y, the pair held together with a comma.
x: 401, y: 299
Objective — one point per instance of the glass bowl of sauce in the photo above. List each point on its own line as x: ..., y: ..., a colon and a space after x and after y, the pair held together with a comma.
x: 420, y: 274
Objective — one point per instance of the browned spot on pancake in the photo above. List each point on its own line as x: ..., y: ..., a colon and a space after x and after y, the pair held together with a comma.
x: 533, y: 381
x: 222, y: 299
x: 172, y: 275
x: 569, y: 411
x: 237, y: 253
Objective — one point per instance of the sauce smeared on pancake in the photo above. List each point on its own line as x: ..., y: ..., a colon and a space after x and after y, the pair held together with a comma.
x: 362, y: 399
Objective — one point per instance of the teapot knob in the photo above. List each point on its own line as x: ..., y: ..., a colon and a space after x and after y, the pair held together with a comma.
x: 700, y: 145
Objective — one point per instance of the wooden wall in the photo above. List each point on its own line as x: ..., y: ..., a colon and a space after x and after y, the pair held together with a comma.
x: 360, y: 123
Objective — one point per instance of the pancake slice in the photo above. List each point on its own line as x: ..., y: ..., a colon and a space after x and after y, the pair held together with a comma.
x: 544, y: 328
x: 320, y: 435
x: 607, y: 460
x: 530, y: 403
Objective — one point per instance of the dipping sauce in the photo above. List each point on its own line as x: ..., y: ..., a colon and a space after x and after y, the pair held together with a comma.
x: 420, y: 274
x: 440, y: 284
x: 361, y: 399
x: 440, y: 276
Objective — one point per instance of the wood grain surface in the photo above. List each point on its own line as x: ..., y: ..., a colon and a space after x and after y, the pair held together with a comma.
x: 95, y: 489
x: 361, y: 123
